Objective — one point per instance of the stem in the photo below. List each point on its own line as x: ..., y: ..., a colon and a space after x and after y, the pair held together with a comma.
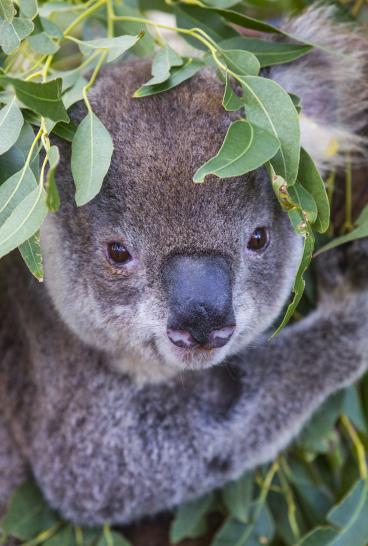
x: 359, y: 448
x: 83, y: 16
x: 110, y: 19
x: 92, y: 80
x: 348, y: 224
x: 289, y: 497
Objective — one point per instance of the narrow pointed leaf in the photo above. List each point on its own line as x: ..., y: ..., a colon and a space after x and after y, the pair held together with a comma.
x: 268, y: 53
x: 231, y: 101
x: 245, y: 148
x: 311, y: 180
x: 11, y: 123
x: 14, y: 190
x: 92, y: 149
x: 23, y: 222
x: 241, y: 62
x: 190, y: 519
x: 31, y: 254
x: 52, y: 194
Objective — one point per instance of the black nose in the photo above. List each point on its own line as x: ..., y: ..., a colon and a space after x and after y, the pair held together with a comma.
x: 200, y: 301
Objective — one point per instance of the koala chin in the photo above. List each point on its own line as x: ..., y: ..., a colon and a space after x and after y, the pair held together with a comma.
x: 114, y: 381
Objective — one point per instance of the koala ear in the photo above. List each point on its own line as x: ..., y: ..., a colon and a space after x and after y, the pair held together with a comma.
x: 332, y: 82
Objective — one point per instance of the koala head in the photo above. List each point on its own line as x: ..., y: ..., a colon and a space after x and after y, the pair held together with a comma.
x: 157, y: 271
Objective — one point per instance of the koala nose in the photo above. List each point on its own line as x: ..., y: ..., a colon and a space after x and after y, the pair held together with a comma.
x: 187, y: 340
x: 200, y: 301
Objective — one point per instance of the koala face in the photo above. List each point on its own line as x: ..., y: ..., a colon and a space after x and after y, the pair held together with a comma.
x: 156, y: 269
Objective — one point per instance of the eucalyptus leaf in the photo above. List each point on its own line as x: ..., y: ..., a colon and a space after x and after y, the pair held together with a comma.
x: 115, y: 46
x: 13, y: 32
x: 351, y: 517
x: 305, y: 201
x: 43, y: 43
x: 42, y: 98
x: 52, y: 194
x: 111, y: 538
x: 239, y: 534
x: 28, y: 8
x: 269, y: 106
x: 7, y: 10
x: 241, y: 62
x: 164, y: 59
x: 31, y: 254
x: 311, y: 180
x: 28, y: 513
x: 237, y: 496
x: 208, y: 20
x: 353, y: 408
x: 299, y: 283
x: 320, y: 536
x: 189, y: 521
x: 11, y: 123
x: 23, y: 222
x: 268, y: 53
x: 178, y: 75
x: 359, y: 232
x: 14, y: 190
x: 92, y: 149
x: 231, y: 101
x: 245, y: 148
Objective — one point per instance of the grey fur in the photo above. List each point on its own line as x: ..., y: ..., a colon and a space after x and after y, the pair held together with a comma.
x: 112, y: 420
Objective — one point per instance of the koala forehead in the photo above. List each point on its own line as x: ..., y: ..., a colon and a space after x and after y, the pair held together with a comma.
x: 159, y: 143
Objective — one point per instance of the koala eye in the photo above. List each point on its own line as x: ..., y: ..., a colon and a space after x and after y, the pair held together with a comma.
x: 259, y: 239
x: 118, y: 253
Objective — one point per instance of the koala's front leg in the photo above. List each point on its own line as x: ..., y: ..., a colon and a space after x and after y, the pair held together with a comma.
x: 313, y: 358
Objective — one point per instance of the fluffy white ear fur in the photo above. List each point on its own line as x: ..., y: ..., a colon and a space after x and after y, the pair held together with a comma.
x: 332, y: 82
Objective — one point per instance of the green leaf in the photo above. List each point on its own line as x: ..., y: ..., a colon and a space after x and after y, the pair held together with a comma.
x: 321, y: 536
x: 231, y: 102
x: 315, y: 435
x: 116, y: 46
x: 7, y: 10
x: 190, y: 519
x: 23, y: 222
x: 178, y: 75
x: 31, y: 254
x: 359, y: 232
x: 43, y: 43
x: 52, y: 194
x: 245, y: 148
x: 13, y: 32
x: 239, y: 534
x: 189, y: 17
x: 237, y: 496
x: 268, y: 53
x: 221, y: 3
x: 304, y: 200
x: 11, y: 123
x: 353, y: 408
x: 351, y: 517
x: 92, y: 149
x: 311, y: 180
x: 163, y: 61
x: 110, y: 538
x: 64, y: 537
x: 145, y: 47
x: 28, y: 513
x: 28, y: 8
x: 270, y: 107
x: 14, y: 190
x: 241, y: 62
x: 299, y: 283
x: 42, y: 98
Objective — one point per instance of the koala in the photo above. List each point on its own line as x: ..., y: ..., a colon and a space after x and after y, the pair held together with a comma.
x: 141, y: 374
